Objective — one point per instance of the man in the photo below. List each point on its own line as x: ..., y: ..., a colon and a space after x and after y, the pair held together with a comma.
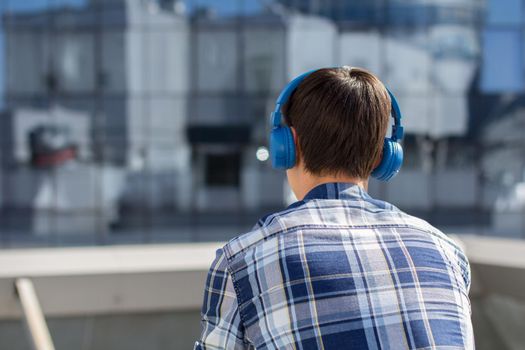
x: 337, y: 269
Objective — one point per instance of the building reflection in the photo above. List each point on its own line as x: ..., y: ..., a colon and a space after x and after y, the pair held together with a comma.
x: 163, y: 106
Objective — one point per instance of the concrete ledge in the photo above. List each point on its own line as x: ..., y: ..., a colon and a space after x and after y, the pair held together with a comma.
x: 150, y: 278
x: 497, y: 264
x: 506, y: 252
x: 108, y: 280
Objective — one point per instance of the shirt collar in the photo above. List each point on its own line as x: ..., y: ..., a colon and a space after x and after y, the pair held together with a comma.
x: 337, y: 190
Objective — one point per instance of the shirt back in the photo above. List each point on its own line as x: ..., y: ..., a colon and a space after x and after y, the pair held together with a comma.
x: 340, y: 270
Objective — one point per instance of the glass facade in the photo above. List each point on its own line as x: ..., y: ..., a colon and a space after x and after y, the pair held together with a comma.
x: 504, y: 40
x: 142, y: 120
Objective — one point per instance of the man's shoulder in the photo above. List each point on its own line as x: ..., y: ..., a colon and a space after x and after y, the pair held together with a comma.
x: 266, y: 227
x: 422, y: 225
x: 313, y: 214
x: 447, y: 246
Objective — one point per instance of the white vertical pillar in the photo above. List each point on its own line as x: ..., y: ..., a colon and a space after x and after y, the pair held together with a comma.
x: 34, y: 318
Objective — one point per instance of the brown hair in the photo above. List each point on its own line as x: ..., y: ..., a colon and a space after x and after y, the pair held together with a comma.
x: 340, y: 116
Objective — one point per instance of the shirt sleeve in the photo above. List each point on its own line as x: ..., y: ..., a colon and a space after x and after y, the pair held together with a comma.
x: 222, y: 327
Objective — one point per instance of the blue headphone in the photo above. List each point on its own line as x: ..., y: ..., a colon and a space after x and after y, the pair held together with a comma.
x: 282, y: 147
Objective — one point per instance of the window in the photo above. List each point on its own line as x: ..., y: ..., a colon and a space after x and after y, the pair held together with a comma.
x: 223, y: 169
x: 502, y: 61
x: 504, y: 12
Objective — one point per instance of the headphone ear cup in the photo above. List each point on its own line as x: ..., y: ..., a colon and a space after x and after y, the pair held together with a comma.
x: 282, y: 148
x: 391, y: 161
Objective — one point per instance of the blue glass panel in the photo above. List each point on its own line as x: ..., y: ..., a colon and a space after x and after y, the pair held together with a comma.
x: 502, y: 69
x: 506, y: 12
x: 223, y: 8
x: 27, y: 5
x: 2, y: 68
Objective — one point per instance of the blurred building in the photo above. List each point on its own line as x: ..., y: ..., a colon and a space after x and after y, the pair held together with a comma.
x: 427, y: 53
x: 380, y: 13
x: 123, y: 62
x: 120, y: 71
x: 177, y: 103
x: 502, y: 115
x: 240, y: 68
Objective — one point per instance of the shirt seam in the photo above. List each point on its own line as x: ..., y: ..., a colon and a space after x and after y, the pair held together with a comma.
x: 231, y: 255
x: 239, y: 301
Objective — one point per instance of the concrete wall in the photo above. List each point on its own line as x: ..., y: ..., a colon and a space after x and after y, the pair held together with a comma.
x: 152, y: 331
x: 127, y: 297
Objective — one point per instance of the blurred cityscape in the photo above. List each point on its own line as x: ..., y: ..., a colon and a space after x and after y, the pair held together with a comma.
x: 147, y: 120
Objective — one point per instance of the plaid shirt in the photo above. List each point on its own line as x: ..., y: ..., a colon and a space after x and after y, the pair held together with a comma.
x: 338, y: 270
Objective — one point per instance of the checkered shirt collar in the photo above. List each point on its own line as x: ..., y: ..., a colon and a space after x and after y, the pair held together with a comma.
x: 337, y: 190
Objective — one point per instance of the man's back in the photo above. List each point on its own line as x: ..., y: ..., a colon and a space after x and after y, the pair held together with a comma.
x: 338, y: 270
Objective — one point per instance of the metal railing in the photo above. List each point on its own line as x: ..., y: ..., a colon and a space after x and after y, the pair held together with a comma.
x: 33, y: 316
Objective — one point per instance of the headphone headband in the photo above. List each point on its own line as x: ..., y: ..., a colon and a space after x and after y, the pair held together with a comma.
x: 285, y: 95
x: 397, y: 128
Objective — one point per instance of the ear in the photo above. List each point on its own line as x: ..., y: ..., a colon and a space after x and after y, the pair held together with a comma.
x: 379, y: 159
x: 294, y: 134
x: 296, y: 143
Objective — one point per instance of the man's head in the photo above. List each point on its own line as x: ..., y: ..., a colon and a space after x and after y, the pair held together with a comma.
x: 339, y: 118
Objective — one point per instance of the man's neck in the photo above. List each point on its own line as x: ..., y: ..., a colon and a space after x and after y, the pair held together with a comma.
x: 311, y: 182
